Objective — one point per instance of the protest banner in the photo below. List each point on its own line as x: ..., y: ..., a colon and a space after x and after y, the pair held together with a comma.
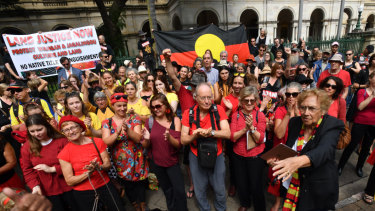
x: 44, y: 50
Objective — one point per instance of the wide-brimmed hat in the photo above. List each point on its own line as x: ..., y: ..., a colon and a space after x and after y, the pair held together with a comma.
x: 266, y: 70
x: 302, y: 79
x: 197, y: 78
x: 141, y: 69
x: 71, y: 118
x: 336, y: 57
x: 19, y: 84
x: 141, y: 33
x: 327, y: 51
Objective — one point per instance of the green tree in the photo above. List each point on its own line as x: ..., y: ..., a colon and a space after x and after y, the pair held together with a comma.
x: 112, y: 23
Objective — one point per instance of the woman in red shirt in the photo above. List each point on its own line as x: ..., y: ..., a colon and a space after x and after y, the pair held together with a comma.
x: 84, y: 162
x: 162, y: 134
x: 248, y: 126
x: 334, y: 87
x: 40, y: 166
x: 363, y: 127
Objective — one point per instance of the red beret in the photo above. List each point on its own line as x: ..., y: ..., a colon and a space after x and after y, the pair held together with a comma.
x: 71, y: 118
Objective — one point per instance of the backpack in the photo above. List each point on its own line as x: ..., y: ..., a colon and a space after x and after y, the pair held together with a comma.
x: 206, y: 147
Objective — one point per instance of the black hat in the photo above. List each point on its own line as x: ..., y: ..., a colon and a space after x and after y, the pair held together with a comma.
x: 197, y: 78
x: 19, y: 84
x: 160, y: 68
x: 141, y: 33
x: 370, y: 48
x: 302, y: 79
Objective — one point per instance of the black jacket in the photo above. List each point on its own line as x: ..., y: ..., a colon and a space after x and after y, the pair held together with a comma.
x: 319, y: 187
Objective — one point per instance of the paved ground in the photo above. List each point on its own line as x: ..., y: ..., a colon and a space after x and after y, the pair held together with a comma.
x: 351, y: 188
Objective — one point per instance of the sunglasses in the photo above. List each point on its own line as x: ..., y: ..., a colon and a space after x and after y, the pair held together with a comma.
x: 66, y: 64
x: 64, y: 87
x: 247, y: 101
x: 303, y: 69
x: 150, y: 80
x: 156, y: 107
x: 118, y: 97
x: 105, y: 56
x: 16, y: 90
x: 239, y: 74
x: 261, y: 50
x: 330, y: 85
x: 349, y: 54
x: 294, y: 94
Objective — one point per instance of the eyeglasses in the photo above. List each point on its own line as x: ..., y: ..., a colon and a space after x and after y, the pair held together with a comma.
x: 156, y: 107
x: 150, y: 80
x: 118, y: 97
x: 310, y: 108
x: 205, y: 98
x: 294, y: 94
x: 239, y: 74
x: 330, y: 85
x: 67, y: 64
x: 16, y: 90
x: 64, y: 87
x: 71, y: 129
x: 247, y: 101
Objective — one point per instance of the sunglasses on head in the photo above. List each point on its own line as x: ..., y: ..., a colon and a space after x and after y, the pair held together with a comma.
x: 118, y: 97
x: 239, y: 74
x: 15, y: 90
x: 294, y: 94
x: 156, y: 107
x: 330, y: 85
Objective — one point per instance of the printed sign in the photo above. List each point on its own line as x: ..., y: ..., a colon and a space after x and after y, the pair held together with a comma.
x: 44, y: 50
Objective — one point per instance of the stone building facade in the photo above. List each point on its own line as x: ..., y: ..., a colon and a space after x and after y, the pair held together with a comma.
x: 278, y: 17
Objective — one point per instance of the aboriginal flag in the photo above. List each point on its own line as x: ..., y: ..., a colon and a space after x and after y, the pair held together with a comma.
x: 187, y: 45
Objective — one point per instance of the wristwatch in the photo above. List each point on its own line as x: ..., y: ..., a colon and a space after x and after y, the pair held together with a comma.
x: 253, y: 130
x: 212, y: 132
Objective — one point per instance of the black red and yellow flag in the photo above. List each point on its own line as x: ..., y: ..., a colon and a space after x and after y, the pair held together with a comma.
x: 187, y: 45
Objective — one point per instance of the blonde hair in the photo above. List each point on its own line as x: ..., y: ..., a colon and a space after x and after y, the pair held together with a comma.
x: 59, y: 93
x: 249, y: 90
x: 323, y: 99
x: 3, y: 88
x: 34, y: 83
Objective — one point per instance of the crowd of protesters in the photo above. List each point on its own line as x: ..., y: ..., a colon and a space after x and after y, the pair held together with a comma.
x: 109, y: 130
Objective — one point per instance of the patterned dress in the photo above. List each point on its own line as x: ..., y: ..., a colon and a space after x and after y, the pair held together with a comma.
x: 130, y: 159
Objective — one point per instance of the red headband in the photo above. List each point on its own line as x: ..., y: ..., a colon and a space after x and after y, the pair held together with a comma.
x: 119, y: 97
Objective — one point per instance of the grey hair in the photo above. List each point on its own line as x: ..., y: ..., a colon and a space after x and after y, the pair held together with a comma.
x: 294, y: 85
x: 98, y: 95
x: 130, y: 70
x: 241, y: 65
x: 224, y: 51
x: 249, y: 90
x: 198, y: 87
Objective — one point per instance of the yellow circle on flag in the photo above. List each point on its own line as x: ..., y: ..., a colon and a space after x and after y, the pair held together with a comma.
x: 209, y: 41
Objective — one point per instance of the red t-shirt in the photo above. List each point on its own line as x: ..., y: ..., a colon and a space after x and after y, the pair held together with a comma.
x: 338, y: 109
x: 162, y: 152
x: 367, y: 115
x: 233, y: 100
x: 280, y: 114
x: 186, y: 99
x: 79, y: 156
x: 50, y: 183
x: 343, y: 75
x: 205, y: 123
x: 240, y: 145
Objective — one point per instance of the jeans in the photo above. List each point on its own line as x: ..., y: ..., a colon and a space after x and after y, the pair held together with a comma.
x: 172, y: 183
x: 249, y: 177
x: 202, y: 176
x: 359, y: 131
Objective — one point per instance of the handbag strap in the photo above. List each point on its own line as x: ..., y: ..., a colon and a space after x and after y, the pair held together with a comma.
x: 96, y: 147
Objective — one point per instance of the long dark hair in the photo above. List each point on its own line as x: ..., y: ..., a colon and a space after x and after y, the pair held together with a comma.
x: 37, y: 119
x: 339, y: 84
x: 145, y: 82
x: 163, y: 99
x: 163, y: 79
x: 71, y: 95
x: 221, y: 82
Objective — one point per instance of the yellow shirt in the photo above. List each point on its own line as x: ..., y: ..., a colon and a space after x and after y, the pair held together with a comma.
x: 17, y: 120
x: 171, y: 97
x: 139, y: 108
x: 95, y: 123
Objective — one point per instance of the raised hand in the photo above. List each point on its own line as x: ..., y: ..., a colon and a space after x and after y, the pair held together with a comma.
x: 167, y: 53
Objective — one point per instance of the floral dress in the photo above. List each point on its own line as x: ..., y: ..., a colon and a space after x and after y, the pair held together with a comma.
x: 129, y: 158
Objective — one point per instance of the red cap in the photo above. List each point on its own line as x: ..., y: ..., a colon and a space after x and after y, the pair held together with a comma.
x: 71, y: 118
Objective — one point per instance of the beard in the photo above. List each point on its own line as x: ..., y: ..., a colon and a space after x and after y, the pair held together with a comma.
x: 294, y: 60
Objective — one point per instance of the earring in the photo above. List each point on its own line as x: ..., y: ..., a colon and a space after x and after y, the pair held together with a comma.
x: 168, y: 111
